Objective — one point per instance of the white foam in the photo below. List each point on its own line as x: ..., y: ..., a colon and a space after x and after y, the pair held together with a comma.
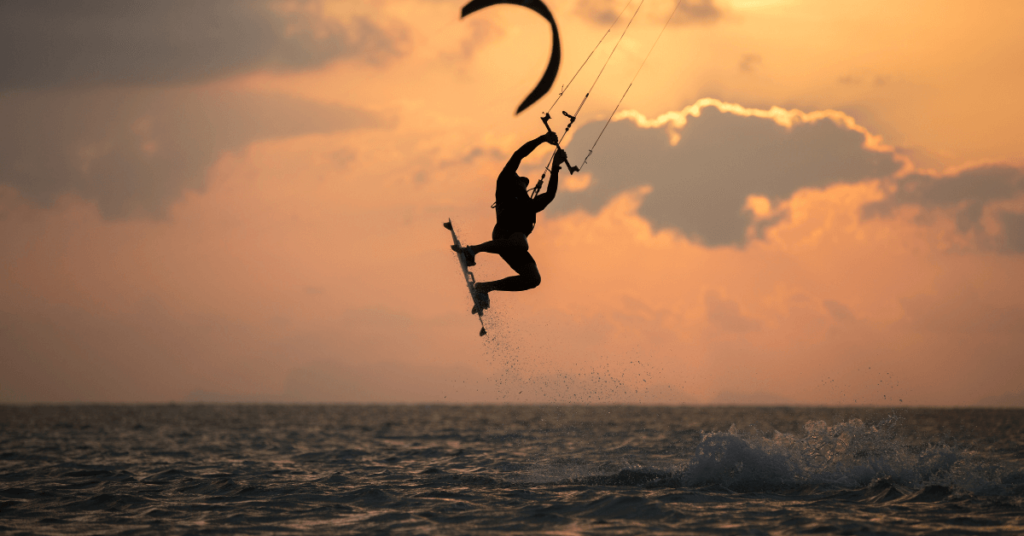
x: 847, y: 455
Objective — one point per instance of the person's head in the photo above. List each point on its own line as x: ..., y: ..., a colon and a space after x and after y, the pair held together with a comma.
x: 525, y: 182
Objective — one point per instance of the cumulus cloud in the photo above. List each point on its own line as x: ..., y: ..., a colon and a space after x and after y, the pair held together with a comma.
x: 66, y: 43
x: 716, y: 170
x: 134, y: 152
x: 969, y: 195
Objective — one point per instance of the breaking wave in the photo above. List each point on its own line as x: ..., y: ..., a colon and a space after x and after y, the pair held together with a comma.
x: 845, y: 456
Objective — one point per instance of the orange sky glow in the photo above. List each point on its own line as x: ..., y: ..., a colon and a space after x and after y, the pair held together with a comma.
x: 798, y: 203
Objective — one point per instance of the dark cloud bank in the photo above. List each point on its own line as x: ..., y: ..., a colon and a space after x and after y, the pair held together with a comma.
x: 134, y: 151
x: 62, y: 43
x: 104, y: 99
x: 700, y: 186
x: 967, y: 195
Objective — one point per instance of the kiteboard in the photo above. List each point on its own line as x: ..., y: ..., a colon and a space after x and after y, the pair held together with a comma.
x: 470, y: 280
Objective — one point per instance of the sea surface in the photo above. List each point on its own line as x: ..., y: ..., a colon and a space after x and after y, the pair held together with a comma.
x: 200, y: 469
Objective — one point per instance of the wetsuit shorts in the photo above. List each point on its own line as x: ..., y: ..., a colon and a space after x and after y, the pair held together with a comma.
x: 518, y: 258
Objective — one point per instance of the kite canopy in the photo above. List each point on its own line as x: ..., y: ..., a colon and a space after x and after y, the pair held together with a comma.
x: 548, y: 79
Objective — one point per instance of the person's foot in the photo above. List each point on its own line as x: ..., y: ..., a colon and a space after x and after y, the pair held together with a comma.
x: 470, y: 257
x: 481, y: 301
x: 466, y: 254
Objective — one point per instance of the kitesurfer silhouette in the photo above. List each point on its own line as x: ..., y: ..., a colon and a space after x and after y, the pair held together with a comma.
x: 516, y: 213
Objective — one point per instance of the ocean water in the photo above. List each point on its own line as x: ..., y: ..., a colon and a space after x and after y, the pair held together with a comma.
x: 468, y: 469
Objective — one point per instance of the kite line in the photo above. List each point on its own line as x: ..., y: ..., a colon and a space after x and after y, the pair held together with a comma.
x: 591, y: 151
x: 599, y: 41
x: 547, y: 80
x: 572, y: 118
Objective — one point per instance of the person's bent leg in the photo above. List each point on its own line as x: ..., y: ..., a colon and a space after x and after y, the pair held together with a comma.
x: 528, y: 276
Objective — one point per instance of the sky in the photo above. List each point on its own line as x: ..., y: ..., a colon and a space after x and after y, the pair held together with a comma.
x: 797, y: 202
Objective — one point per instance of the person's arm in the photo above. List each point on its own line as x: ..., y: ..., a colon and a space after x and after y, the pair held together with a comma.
x: 542, y: 200
x: 517, y: 157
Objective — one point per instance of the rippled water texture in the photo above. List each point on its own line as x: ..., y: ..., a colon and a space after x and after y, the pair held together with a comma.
x: 452, y: 469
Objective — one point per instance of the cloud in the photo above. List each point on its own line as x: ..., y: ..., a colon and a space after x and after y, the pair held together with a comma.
x: 64, y: 43
x: 1005, y: 400
x: 749, y: 63
x: 727, y: 315
x: 600, y: 12
x: 689, y: 11
x: 481, y: 32
x: 838, y: 311
x: 968, y: 195
x: 134, y: 152
x: 693, y: 11
x: 716, y: 170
